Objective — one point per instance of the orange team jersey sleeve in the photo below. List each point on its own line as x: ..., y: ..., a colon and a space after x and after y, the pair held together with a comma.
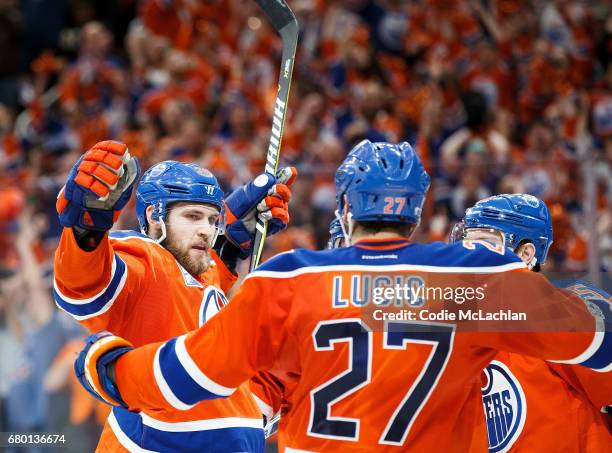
x: 560, y: 326
x: 128, y: 285
x: 595, y: 385
x: 155, y: 300
x: 268, y: 393
x: 340, y: 376
x: 99, y: 287
x: 252, y: 342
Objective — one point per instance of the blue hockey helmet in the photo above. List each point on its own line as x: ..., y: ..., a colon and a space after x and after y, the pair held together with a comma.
x: 382, y: 182
x: 170, y: 181
x: 520, y: 217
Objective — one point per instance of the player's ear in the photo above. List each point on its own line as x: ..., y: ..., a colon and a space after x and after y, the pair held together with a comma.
x: 149, y: 215
x: 526, y: 252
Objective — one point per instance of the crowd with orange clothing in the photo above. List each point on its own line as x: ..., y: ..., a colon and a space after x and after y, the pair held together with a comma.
x: 499, y: 96
x: 506, y: 96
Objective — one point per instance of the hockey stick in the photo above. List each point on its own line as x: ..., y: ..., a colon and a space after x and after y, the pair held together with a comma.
x: 284, y: 22
x: 272, y: 426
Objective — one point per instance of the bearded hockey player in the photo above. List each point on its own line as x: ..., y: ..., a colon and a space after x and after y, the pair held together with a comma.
x: 162, y: 282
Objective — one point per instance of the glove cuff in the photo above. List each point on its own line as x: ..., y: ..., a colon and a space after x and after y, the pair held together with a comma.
x: 228, y: 252
x: 104, y: 363
x: 94, y: 364
x: 87, y: 240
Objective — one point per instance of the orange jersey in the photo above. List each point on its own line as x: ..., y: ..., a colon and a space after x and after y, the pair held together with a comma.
x: 532, y: 405
x: 529, y: 407
x: 595, y: 385
x: 133, y: 287
x: 348, y: 386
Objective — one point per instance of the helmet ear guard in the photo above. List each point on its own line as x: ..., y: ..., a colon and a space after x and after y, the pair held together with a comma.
x: 346, y: 235
x: 157, y: 218
x: 336, y: 233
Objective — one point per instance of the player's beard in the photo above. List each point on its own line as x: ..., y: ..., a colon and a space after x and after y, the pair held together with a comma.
x: 192, y: 265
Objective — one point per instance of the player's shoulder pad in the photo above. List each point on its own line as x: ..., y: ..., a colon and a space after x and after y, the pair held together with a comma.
x: 455, y: 257
x: 576, y: 285
x: 583, y: 289
x: 122, y: 235
x: 474, y: 254
x: 299, y: 258
x: 155, y: 258
x: 132, y: 239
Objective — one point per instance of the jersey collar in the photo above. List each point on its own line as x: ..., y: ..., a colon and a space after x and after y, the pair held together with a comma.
x: 382, y: 243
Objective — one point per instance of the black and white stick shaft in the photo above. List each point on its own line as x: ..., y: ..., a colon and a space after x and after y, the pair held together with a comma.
x: 284, y: 22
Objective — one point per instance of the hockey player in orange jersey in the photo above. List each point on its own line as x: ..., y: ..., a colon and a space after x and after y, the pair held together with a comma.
x: 530, y: 404
x: 163, y: 282
x: 521, y: 392
x: 351, y: 384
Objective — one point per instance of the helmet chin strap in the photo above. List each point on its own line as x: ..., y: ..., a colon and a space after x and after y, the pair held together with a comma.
x: 219, y: 228
x: 346, y: 236
x: 532, y: 263
x: 162, y: 225
x: 144, y: 229
x: 159, y: 240
x: 215, y: 235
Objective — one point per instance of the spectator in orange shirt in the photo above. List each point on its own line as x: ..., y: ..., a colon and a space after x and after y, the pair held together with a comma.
x: 172, y: 20
x: 185, y: 80
x: 91, y: 83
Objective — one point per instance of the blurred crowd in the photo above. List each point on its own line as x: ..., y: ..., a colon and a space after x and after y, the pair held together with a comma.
x: 497, y: 96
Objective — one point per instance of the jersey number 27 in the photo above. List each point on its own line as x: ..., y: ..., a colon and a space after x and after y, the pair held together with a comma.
x: 397, y: 335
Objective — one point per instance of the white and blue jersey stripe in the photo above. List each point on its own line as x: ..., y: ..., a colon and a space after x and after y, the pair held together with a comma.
x: 599, y: 354
x: 180, y: 380
x: 139, y: 432
x: 96, y: 305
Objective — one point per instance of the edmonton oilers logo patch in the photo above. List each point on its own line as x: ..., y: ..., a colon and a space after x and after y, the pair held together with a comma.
x: 504, y: 405
x: 530, y: 200
x: 212, y: 301
x: 157, y: 170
